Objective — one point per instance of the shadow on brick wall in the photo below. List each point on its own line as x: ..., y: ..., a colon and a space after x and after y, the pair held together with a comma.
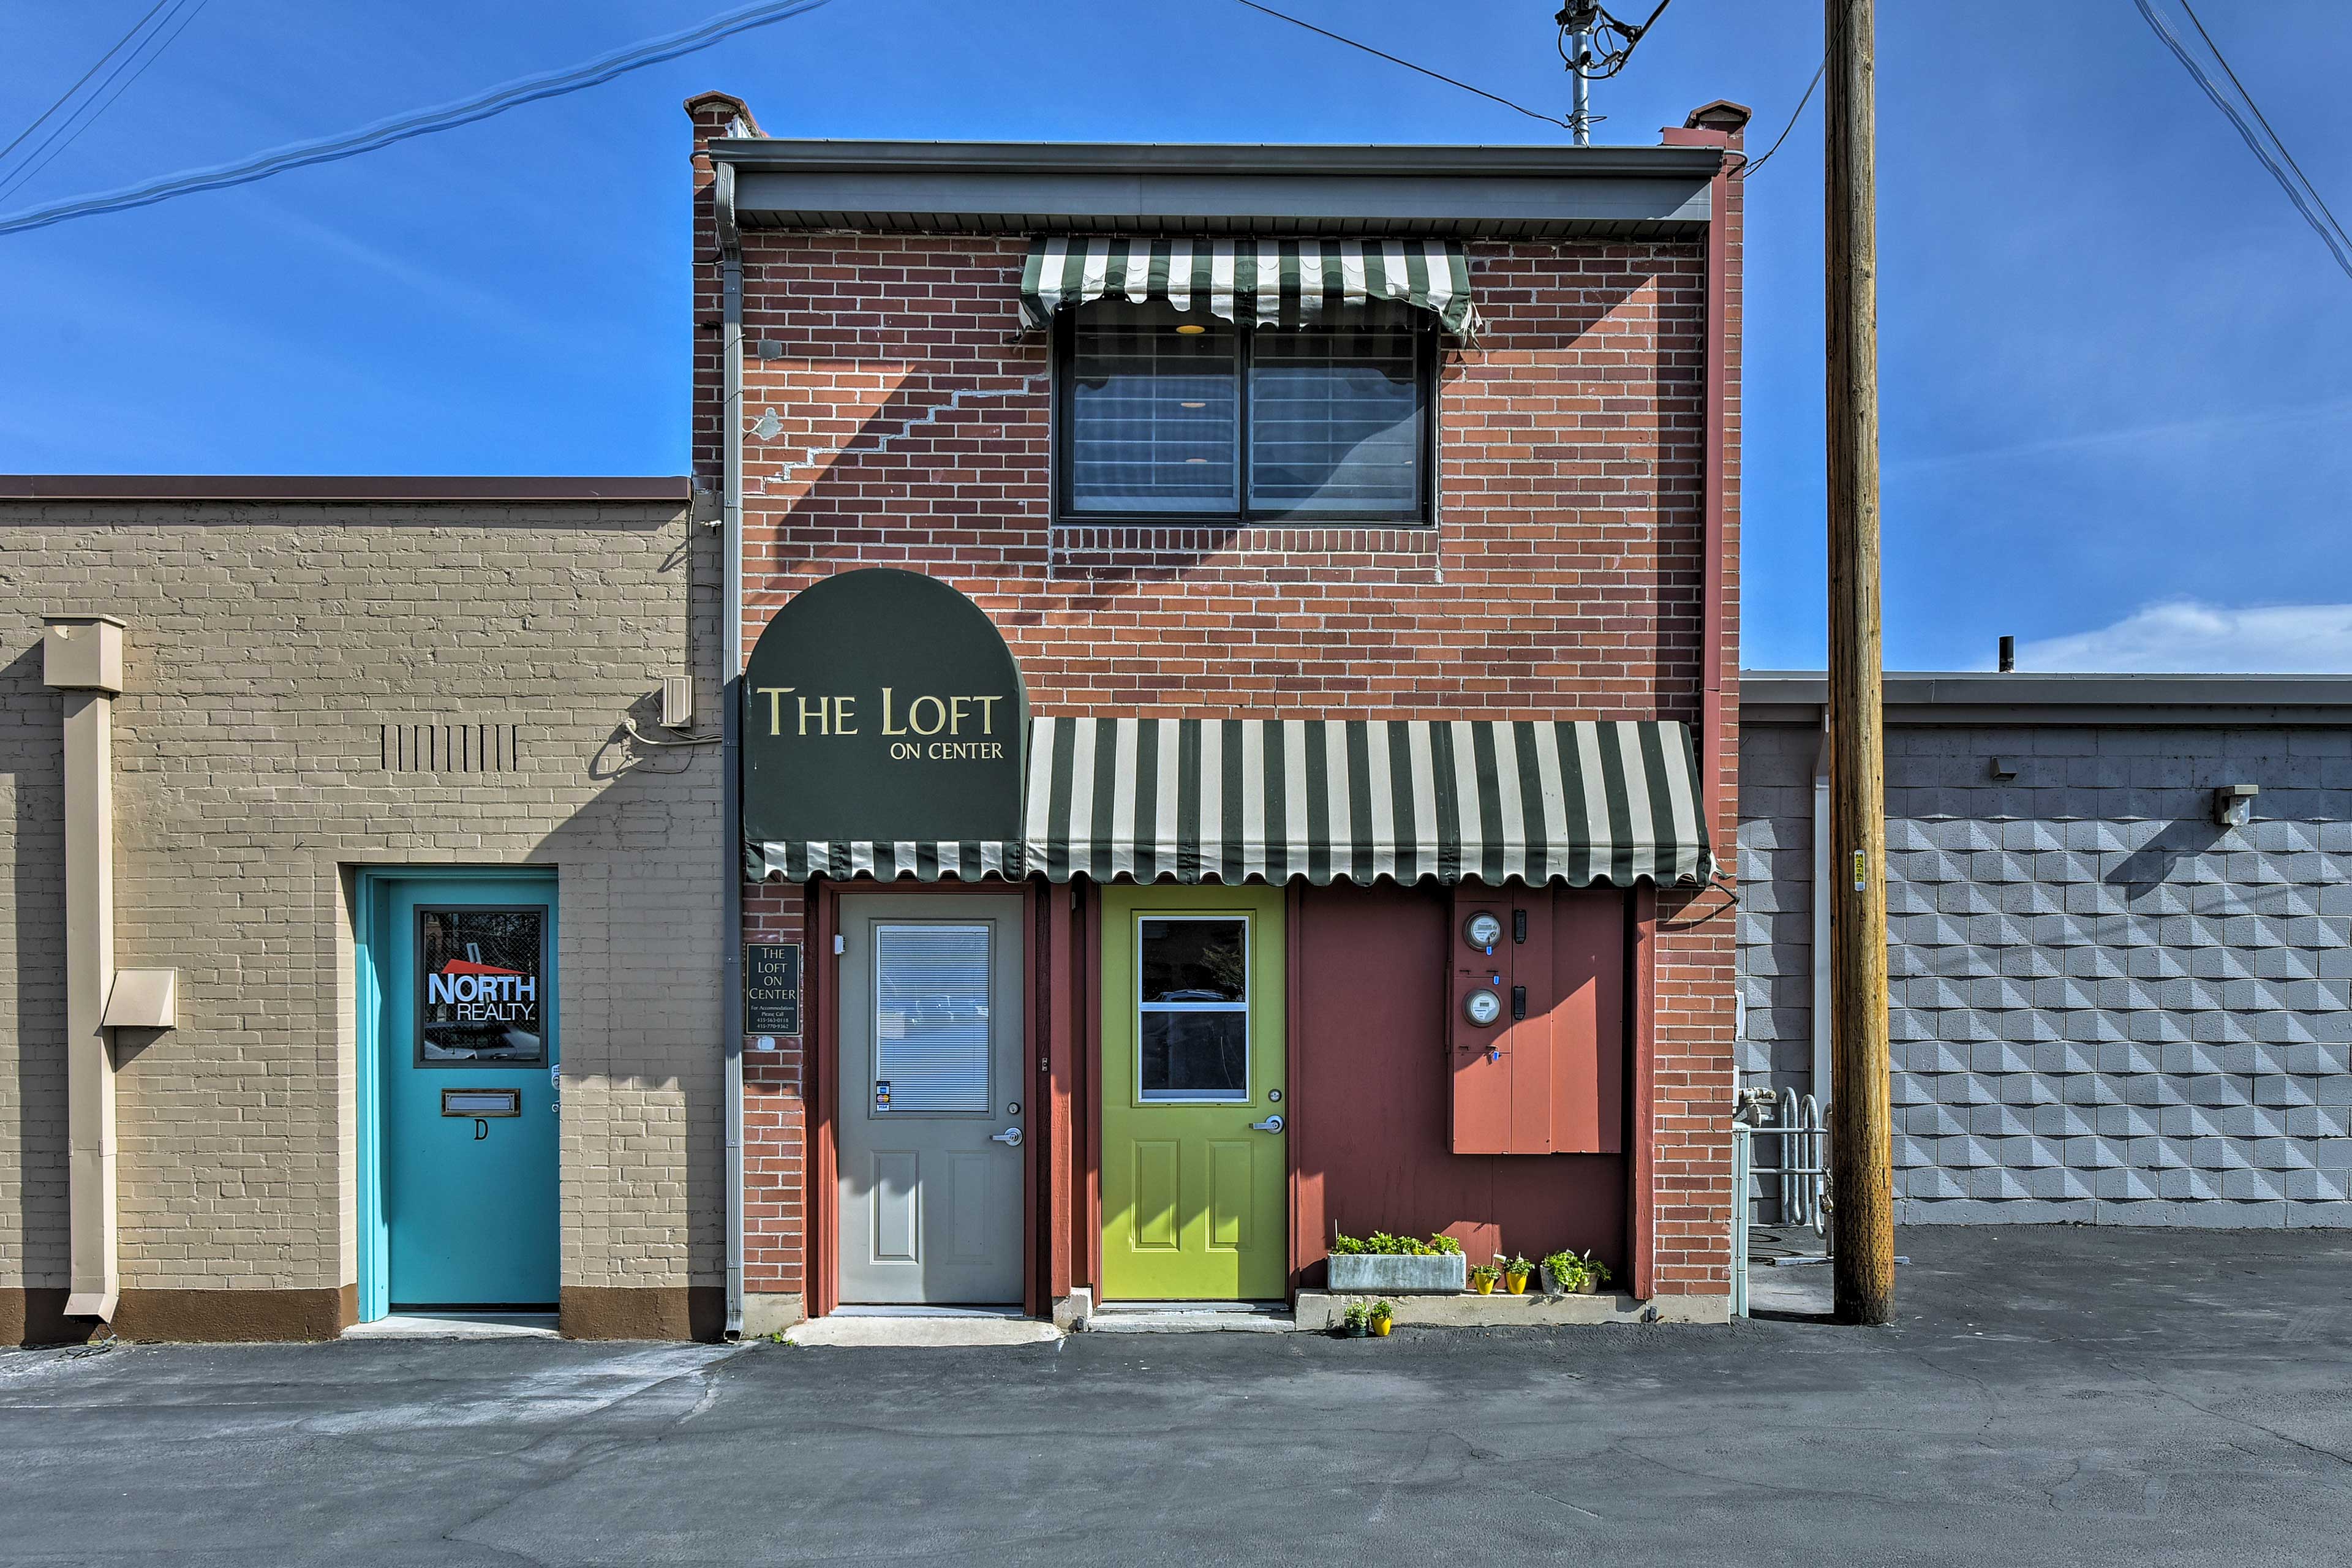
x: 32, y: 1030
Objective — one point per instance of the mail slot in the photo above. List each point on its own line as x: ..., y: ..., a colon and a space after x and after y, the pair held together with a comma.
x: 481, y: 1103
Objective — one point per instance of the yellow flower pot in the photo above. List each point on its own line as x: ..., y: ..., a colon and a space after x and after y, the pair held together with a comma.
x: 1484, y: 1287
x: 1381, y: 1326
x: 1517, y: 1283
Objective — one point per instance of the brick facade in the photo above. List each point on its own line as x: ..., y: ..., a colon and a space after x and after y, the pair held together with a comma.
x: 269, y: 647
x: 895, y: 415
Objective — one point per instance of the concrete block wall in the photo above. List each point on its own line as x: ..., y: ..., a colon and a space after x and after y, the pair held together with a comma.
x: 2103, y: 1005
x: 1776, y: 906
x: 269, y: 646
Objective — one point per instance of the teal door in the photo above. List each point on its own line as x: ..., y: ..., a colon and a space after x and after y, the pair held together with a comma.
x: 466, y: 1053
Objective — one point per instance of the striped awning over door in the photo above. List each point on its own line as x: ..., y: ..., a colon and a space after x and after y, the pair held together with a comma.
x: 965, y: 860
x: 1267, y: 283
x: 1362, y: 800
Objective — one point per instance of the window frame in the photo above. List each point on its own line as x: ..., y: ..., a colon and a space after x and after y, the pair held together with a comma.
x: 1422, y: 514
x: 1245, y: 1008
x: 990, y: 1087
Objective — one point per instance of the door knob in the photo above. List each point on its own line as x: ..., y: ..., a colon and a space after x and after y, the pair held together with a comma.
x: 1271, y: 1124
x: 1010, y: 1137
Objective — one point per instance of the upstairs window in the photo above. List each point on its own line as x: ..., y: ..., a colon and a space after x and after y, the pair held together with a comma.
x: 1184, y: 415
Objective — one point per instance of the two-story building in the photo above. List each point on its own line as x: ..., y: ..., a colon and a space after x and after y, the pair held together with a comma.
x: 1239, y: 709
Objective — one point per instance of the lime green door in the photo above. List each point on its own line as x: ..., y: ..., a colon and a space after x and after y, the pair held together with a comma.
x: 1195, y: 1157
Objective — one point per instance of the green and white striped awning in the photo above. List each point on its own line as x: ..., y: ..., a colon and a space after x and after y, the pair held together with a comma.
x: 1267, y: 283
x: 1357, y: 800
x: 1332, y: 800
x: 924, y: 859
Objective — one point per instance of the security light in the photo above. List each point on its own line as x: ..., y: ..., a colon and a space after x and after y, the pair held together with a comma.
x: 2233, y: 805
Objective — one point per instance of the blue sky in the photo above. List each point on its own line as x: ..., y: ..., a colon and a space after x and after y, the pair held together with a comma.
x: 2116, y: 407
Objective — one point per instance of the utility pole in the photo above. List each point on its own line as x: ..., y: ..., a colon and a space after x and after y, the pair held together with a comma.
x: 1578, y: 19
x: 1860, y: 1182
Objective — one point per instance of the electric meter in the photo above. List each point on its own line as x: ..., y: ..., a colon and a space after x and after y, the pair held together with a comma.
x: 1482, y: 1008
x: 1481, y: 930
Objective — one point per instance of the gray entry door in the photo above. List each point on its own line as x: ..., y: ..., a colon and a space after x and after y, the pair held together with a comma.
x: 933, y: 1111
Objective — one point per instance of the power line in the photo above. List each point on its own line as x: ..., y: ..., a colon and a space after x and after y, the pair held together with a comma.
x: 88, y: 113
x: 136, y: 27
x: 422, y: 122
x: 1755, y: 164
x: 2276, y: 140
x: 2330, y: 233
x: 1393, y: 60
x: 1611, y: 59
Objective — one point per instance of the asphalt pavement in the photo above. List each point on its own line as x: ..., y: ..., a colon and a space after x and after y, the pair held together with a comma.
x: 2049, y: 1395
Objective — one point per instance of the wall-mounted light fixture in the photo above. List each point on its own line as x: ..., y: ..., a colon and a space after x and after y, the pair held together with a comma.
x: 2233, y: 805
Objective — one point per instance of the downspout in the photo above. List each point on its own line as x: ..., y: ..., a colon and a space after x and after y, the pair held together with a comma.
x: 81, y: 657
x: 731, y: 615
x: 1718, y: 333
x: 1817, y: 999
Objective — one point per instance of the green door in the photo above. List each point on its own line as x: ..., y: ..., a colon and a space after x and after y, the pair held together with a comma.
x: 1195, y: 1159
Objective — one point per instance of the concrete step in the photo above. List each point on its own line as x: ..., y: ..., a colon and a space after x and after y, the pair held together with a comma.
x: 1192, y: 1317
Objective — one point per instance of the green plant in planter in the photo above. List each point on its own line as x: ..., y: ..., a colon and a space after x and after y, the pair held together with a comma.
x: 1485, y: 1277
x: 1383, y: 1315
x: 1381, y: 1243
x: 1515, y: 1273
x: 1356, y: 1322
x: 1576, y: 1273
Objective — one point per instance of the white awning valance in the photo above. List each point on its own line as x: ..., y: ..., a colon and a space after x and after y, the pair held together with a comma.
x: 1265, y: 282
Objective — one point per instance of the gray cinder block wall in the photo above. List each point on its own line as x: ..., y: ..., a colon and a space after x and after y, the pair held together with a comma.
x: 324, y: 676
x: 2104, y: 1006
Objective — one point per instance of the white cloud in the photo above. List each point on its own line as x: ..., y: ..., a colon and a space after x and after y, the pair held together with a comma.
x: 2189, y: 636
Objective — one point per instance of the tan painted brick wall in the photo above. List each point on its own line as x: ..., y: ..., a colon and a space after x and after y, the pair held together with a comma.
x: 268, y: 645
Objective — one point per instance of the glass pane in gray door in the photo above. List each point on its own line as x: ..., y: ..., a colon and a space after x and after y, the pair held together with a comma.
x: 931, y: 1018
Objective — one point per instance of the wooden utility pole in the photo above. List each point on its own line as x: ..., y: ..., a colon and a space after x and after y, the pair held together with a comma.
x: 1860, y: 1182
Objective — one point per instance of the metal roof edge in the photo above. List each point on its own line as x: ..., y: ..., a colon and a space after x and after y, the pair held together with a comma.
x: 1295, y: 160
x: 2048, y: 696
x: 343, y: 488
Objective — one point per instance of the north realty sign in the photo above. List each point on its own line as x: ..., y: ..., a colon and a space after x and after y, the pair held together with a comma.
x: 882, y: 705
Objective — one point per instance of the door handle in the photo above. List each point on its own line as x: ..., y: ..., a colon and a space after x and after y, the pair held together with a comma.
x: 1010, y: 1137
x: 1271, y: 1124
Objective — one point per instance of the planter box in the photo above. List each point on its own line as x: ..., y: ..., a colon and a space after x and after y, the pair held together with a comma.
x: 1394, y: 1274
x: 1323, y: 1309
x: 1551, y: 1287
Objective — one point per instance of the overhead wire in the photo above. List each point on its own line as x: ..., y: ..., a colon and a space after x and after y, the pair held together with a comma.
x: 420, y: 122
x: 136, y: 28
x: 1396, y: 61
x: 1612, y: 60
x: 1766, y: 156
x: 89, y: 111
x: 2330, y: 233
x: 2276, y: 140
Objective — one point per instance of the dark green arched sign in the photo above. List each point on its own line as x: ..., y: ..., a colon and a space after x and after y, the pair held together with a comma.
x: 882, y: 705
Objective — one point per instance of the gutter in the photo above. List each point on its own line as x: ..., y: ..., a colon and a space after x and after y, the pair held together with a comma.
x: 730, y: 611
x: 769, y: 154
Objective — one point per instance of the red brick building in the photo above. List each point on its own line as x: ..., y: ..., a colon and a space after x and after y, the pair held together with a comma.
x: 1363, y: 523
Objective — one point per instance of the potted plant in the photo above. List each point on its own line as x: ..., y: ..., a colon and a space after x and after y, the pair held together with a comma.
x: 1356, y: 1322
x: 1574, y: 1274
x: 1383, y: 1317
x: 1516, y: 1274
x: 1485, y: 1277
x: 1385, y: 1264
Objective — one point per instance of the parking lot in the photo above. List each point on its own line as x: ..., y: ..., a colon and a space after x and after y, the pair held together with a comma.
x: 2049, y: 1395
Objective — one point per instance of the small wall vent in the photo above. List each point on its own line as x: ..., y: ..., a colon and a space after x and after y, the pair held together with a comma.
x: 452, y: 748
